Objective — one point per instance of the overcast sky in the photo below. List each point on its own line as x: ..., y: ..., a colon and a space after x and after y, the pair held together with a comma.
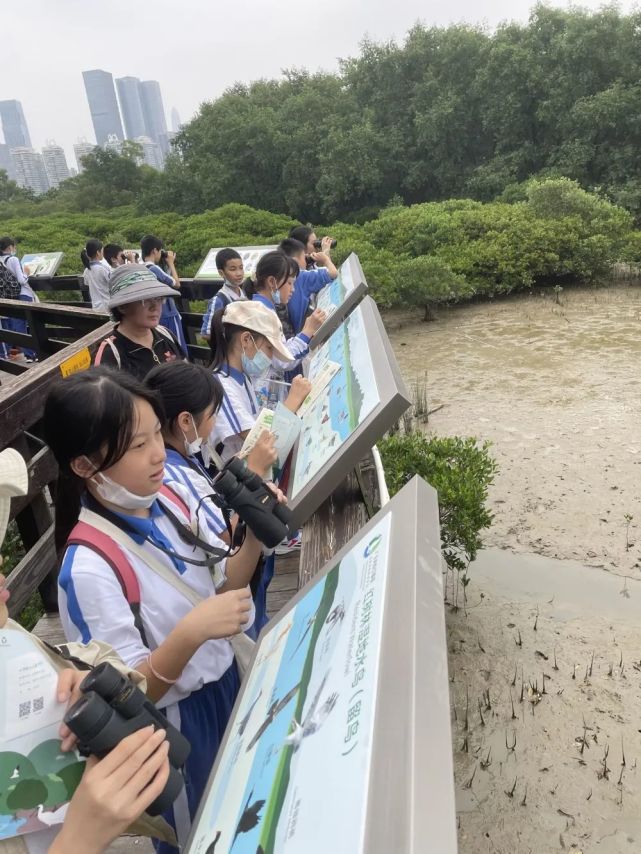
x: 194, y: 48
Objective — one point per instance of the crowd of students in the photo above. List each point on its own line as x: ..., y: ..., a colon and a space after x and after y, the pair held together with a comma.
x: 150, y: 564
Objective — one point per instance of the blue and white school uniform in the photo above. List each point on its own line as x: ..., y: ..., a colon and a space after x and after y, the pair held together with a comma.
x: 192, y: 476
x: 17, y: 324
x: 170, y: 316
x: 308, y: 283
x: 92, y: 605
x: 237, y: 413
x: 220, y: 300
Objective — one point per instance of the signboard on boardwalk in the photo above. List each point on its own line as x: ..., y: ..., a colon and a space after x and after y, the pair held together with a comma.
x: 340, y: 297
x: 360, y: 403
x: 332, y: 746
x: 42, y: 263
x: 251, y: 255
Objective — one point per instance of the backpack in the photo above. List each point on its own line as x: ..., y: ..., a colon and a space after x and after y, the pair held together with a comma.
x: 9, y: 285
x: 110, y: 342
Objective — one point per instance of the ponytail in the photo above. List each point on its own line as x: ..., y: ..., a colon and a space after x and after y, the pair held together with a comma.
x: 249, y: 287
x: 68, y: 492
x: 90, y: 251
x: 218, y: 342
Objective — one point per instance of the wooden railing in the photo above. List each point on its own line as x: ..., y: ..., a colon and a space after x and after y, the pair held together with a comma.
x: 22, y: 402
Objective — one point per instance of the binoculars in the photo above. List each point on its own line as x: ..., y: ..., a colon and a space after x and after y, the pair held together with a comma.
x: 113, y: 708
x: 237, y: 488
x: 318, y: 245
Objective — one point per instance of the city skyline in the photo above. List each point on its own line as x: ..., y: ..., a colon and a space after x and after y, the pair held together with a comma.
x: 250, y: 41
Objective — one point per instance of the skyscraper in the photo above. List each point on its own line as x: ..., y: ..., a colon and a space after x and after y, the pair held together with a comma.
x: 6, y: 163
x: 153, y: 109
x: 30, y: 169
x: 176, y: 124
x: 129, y: 96
x: 14, y: 126
x: 103, y: 105
x: 81, y: 149
x: 55, y: 163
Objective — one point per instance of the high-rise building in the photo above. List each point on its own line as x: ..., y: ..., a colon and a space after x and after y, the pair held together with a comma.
x: 81, y: 149
x: 176, y: 124
x: 55, y: 163
x: 113, y: 144
x: 164, y: 141
x: 153, y: 109
x: 14, y: 125
x: 6, y: 163
x: 30, y: 169
x: 131, y: 106
x: 151, y: 152
x: 103, y: 105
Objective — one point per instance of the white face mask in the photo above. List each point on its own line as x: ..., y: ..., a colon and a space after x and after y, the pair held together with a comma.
x: 210, y: 456
x: 192, y: 448
x: 120, y: 496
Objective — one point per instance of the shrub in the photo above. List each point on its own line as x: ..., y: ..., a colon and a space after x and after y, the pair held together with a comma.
x: 461, y: 470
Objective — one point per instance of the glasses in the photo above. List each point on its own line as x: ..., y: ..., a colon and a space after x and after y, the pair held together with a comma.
x: 152, y: 302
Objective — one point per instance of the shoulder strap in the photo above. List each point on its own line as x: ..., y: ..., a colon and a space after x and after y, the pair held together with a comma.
x: 168, y: 493
x: 107, y: 342
x: 166, y: 333
x: 87, y: 535
x: 147, y: 556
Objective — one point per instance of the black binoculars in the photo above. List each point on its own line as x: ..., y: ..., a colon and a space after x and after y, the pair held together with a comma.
x: 237, y: 488
x: 113, y: 708
x: 318, y: 245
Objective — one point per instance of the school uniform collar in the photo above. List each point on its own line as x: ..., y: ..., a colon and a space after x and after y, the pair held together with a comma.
x: 239, y: 376
x: 140, y: 529
x: 265, y: 301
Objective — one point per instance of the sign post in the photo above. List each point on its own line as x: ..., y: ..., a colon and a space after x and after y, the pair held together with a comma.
x: 340, y: 739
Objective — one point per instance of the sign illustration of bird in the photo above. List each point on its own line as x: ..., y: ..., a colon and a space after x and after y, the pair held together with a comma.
x: 242, y: 725
x: 249, y: 819
x: 314, y: 719
x: 276, y: 707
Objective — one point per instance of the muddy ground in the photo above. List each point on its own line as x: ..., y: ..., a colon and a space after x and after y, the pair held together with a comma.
x: 556, y: 389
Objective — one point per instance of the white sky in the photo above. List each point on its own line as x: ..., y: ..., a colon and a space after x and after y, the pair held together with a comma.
x: 194, y: 48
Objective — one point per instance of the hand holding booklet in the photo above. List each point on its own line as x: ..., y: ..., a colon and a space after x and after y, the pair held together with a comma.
x: 283, y: 424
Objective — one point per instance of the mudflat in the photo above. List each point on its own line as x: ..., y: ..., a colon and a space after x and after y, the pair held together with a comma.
x: 545, y: 655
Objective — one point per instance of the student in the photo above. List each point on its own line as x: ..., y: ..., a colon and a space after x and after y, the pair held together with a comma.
x: 274, y: 287
x: 10, y: 260
x: 138, y: 342
x: 191, y: 397
x: 96, y: 275
x: 307, y: 236
x: 308, y: 282
x: 230, y: 266
x: 113, y: 792
x: 153, y: 253
x: 104, y: 429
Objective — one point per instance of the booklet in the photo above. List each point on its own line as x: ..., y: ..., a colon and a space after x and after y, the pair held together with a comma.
x: 319, y: 383
x: 37, y: 780
x: 283, y: 424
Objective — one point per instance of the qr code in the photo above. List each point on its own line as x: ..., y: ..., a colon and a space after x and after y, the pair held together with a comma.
x: 25, y: 709
x: 38, y: 704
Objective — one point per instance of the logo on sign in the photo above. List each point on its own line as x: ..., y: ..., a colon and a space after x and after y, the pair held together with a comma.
x: 373, y: 545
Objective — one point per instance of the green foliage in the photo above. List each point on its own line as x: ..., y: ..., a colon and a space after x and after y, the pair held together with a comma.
x: 412, y: 255
x: 461, y: 470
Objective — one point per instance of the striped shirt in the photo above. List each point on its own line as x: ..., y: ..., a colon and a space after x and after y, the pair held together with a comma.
x: 237, y: 412
x: 220, y: 300
x: 192, y: 476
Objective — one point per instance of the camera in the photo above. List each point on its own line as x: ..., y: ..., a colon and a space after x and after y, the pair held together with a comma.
x: 319, y: 243
x: 237, y: 488
x: 113, y: 708
x: 163, y: 256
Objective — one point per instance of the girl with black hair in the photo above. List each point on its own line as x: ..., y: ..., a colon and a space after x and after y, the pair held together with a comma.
x: 191, y: 397
x: 96, y: 275
x: 133, y: 573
